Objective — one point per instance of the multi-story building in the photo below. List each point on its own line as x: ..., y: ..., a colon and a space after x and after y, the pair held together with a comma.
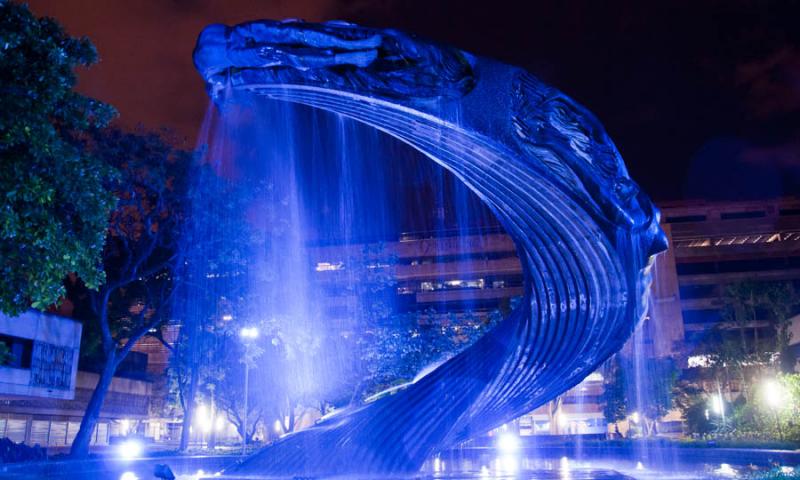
x: 441, y: 274
x: 719, y: 244
x: 713, y: 245
x: 43, y: 394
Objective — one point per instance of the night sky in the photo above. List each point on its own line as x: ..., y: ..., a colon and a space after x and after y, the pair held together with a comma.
x: 702, y: 98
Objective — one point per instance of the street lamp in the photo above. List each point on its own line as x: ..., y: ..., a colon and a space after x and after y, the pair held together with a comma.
x: 248, y: 334
x: 774, y: 397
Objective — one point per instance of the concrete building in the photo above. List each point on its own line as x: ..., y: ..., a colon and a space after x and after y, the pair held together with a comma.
x: 443, y: 274
x: 713, y: 245
x: 43, y: 394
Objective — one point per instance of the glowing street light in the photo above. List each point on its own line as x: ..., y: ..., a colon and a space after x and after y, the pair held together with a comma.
x: 774, y: 398
x: 716, y: 405
x: 130, y: 449
x: 248, y: 334
x: 773, y: 394
x: 508, y: 442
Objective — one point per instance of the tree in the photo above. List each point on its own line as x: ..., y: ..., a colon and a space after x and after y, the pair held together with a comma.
x: 649, y: 394
x: 781, y: 300
x: 615, y: 393
x: 139, y: 256
x: 54, y: 206
x: 749, y: 306
x: 693, y: 403
x: 774, y: 302
x: 661, y: 375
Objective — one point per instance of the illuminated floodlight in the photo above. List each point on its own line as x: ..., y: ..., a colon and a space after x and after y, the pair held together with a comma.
x: 508, y: 442
x: 717, y: 405
x: 130, y: 449
x: 227, y: 317
x: 774, y: 394
x: 635, y: 417
x: 725, y: 470
x: 128, y: 476
x: 507, y: 464
x: 562, y: 420
x: 278, y: 426
x: 249, y: 333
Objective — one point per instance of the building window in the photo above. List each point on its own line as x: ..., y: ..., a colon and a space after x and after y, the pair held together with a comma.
x: 699, y: 361
x: 699, y: 291
x: 702, y: 316
x: 329, y: 267
x: 686, y: 219
x: 19, y: 351
x: 741, y: 215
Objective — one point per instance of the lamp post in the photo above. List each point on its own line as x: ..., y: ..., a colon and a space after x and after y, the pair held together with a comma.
x: 247, y: 334
x: 775, y: 397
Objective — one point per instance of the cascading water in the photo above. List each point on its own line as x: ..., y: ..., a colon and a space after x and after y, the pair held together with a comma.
x: 541, y: 163
x: 276, y: 207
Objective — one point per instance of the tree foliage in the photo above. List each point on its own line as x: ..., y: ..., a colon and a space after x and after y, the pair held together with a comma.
x: 648, y: 393
x: 53, y: 204
x: 615, y: 391
x: 140, y: 253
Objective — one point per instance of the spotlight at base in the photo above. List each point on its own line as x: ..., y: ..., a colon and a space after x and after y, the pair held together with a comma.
x: 128, y: 476
x: 129, y: 449
x: 508, y: 442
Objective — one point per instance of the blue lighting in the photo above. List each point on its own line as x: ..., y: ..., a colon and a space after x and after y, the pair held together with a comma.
x: 545, y: 167
x: 507, y: 442
x: 130, y: 449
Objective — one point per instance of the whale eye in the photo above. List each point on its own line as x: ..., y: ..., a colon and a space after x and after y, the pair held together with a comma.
x: 625, y: 189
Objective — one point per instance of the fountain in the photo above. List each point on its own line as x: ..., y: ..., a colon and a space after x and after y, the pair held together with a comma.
x: 542, y: 164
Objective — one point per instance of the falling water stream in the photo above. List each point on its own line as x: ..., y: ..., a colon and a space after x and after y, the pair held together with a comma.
x: 286, y: 193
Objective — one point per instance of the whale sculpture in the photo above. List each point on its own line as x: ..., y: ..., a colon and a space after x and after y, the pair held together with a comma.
x: 586, y: 235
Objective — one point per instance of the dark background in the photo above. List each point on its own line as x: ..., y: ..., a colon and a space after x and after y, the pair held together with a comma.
x: 702, y: 98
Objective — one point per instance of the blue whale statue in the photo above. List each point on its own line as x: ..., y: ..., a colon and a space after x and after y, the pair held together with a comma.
x: 585, y: 233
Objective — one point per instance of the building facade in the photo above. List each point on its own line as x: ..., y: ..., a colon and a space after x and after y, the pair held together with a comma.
x: 713, y: 245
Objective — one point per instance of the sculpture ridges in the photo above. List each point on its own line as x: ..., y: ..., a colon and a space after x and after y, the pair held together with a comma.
x: 336, y: 55
x: 585, y: 233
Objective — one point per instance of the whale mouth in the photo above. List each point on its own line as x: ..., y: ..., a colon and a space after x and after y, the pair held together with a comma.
x: 334, y: 55
x: 309, y: 46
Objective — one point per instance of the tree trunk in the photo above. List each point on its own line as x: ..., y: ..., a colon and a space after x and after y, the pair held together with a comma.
x: 80, y: 446
x: 188, y: 411
x: 212, y: 440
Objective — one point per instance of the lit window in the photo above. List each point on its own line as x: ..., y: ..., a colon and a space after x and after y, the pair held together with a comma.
x: 699, y: 361
x: 594, y: 377
x: 478, y: 283
x: 499, y: 284
x: 329, y: 267
x: 373, y: 266
x: 426, y: 286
